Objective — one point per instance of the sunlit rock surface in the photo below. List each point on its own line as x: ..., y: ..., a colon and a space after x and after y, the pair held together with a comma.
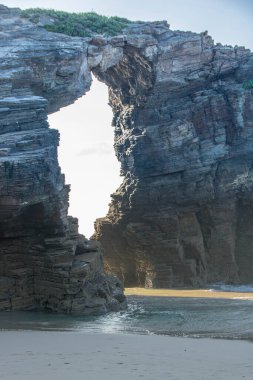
x: 183, y: 134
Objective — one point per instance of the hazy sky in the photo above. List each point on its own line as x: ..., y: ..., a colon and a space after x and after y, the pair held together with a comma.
x: 86, y: 153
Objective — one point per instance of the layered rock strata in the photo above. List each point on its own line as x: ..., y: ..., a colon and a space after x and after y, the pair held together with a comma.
x: 44, y: 262
x: 183, y: 134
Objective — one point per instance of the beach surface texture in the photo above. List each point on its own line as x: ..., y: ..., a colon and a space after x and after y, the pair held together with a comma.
x: 26, y: 355
x: 189, y: 293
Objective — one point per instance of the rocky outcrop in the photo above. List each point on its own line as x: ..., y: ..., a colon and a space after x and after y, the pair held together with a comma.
x: 183, y: 134
x: 44, y: 262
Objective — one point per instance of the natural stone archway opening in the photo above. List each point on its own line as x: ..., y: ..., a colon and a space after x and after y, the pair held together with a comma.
x: 183, y: 135
x: 86, y: 155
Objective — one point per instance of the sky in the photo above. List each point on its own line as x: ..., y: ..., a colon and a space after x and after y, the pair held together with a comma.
x: 86, y: 148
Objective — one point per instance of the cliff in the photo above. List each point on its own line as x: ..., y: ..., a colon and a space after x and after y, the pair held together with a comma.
x: 183, y: 133
x: 183, y: 119
x: 44, y: 262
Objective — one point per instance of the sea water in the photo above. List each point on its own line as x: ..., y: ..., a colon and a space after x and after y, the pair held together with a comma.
x: 189, y: 317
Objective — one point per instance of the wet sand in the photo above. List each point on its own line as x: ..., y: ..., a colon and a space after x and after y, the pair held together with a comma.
x: 186, y: 293
x: 30, y: 355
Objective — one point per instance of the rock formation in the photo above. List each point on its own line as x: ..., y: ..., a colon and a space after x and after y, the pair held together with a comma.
x: 183, y: 121
x: 183, y: 133
x: 44, y: 262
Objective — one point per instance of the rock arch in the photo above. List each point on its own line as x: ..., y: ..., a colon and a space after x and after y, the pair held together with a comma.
x: 183, y: 132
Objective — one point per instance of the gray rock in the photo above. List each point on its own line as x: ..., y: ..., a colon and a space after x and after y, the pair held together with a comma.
x: 44, y: 262
x: 183, y: 134
x: 183, y: 215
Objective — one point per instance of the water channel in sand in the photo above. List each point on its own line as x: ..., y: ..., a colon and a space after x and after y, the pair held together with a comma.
x: 219, y: 312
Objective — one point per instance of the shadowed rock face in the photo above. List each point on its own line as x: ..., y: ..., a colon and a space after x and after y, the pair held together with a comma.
x: 183, y: 134
x: 44, y: 262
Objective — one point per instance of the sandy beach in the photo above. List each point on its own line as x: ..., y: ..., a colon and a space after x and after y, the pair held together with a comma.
x: 188, y: 293
x: 35, y: 355
x: 76, y: 355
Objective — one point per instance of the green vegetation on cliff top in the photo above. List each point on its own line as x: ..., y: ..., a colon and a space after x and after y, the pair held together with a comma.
x: 77, y: 24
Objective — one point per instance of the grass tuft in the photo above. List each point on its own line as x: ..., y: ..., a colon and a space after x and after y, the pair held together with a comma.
x: 77, y: 24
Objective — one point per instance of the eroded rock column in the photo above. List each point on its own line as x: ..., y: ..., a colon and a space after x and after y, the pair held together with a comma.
x: 45, y: 263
